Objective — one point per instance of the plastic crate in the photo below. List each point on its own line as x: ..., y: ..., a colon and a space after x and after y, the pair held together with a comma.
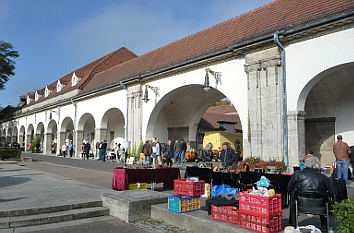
x: 187, y: 188
x: 268, y: 224
x: 137, y: 186
x: 181, y: 204
x: 253, y: 204
x: 225, y: 213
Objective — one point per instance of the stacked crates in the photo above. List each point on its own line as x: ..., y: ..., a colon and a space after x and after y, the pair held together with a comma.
x: 187, y: 196
x: 260, y: 214
x: 225, y: 213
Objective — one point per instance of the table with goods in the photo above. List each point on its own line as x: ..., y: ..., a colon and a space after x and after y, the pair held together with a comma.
x: 138, y: 178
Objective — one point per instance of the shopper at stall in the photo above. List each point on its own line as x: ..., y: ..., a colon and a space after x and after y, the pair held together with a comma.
x: 207, y: 153
x: 342, y: 151
x: 177, y: 149
x: 228, y: 156
x: 102, y: 150
x: 147, y: 152
x: 310, y: 181
x: 63, y: 150
x: 182, y: 157
x: 71, y: 148
x: 87, y: 149
x: 168, y: 154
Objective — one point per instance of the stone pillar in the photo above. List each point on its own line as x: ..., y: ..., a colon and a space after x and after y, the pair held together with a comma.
x: 79, y: 138
x: 47, y: 144
x: 100, y: 134
x: 265, y: 103
x: 296, y: 124
x: 135, y: 104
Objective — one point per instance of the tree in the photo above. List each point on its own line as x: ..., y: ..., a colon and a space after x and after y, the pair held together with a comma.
x: 7, y: 64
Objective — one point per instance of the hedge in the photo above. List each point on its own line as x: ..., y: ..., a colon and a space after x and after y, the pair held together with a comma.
x: 10, y: 153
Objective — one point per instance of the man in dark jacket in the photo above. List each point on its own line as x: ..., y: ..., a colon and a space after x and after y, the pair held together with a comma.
x: 147, y: 152
x: 87, y: 148
x: 228, y: 155
x: 308, y: 181
x: 182, y: 158
x: 207, y: 153
x: 102, y: 150
x: 177, y: 147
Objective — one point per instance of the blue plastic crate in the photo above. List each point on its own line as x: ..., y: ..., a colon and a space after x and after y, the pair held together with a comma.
x: 181, y: 204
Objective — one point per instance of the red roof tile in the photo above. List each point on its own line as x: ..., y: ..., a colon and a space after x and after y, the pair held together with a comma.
x: 86, y: 72
x: 214, y: 114
x: 275, y: 16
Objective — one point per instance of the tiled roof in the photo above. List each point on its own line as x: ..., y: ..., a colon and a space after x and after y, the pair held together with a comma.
x: 86, y: 72
x: 214, y: 114
x: 275, y: 16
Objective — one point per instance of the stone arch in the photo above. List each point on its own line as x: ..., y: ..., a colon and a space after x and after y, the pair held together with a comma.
x: 328, y: 109
x: 40, y: 132
x: 66, y: 132
x: 14, y: 135
x: 86, y: 127
x: 113, y: 124
x: 30, y: 134
x: 22, y: 136
x: 51, y: 137
x: 178, y: 113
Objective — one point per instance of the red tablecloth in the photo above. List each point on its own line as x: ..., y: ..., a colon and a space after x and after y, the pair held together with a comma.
x: 123, y: 177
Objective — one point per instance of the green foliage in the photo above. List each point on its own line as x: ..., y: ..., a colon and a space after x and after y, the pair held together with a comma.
x: 7, y: 64
x: 10, y: 153
x: 33, y: 145
x: 344, y: 212
x: 135, y: 151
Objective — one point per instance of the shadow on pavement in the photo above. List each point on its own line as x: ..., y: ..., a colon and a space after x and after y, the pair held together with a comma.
x: 12, y: 199
x: 6, y: 181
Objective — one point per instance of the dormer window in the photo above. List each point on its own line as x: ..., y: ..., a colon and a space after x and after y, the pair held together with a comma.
x: 74, y: 80
x: 47, y: 91
x: 36, y: 96
x: 28, y: 100
x: 59, y: 86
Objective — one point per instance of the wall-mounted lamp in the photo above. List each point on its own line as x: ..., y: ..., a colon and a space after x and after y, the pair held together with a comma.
x: 156, y: 90
x: 216, y: 75
x: 50, y: 114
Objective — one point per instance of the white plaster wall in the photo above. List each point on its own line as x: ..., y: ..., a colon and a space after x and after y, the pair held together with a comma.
x: 234, y: 86
x: 305, y: 60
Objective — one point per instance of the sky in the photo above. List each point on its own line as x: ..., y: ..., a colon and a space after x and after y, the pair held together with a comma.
x: 56, y: 37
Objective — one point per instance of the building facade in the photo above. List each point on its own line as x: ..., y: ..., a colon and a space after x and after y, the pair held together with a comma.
x: 307, y: 44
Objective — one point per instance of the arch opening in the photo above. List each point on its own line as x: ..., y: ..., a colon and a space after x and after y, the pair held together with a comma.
x: 114, y: 123
x: 51, y: 137
x: 186, y: 113
x: 86, y: 128
x: 329, y: 111
x: 30, y: 134
x: 22, y: 136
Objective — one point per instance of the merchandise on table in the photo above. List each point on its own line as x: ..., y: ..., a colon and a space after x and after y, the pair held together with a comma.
x: 181, y: 204
x: 265, y: 206
x: 207, y: 192
x: 137, y: 186
x: 225, y: 213
x: 223, y: 188
x: 188, y: 188
x: 258, y: 223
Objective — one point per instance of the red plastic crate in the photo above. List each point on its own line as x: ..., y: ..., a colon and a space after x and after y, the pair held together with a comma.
x: 225, y: 213
x: 269, y: 224
x: 253, y: 204
x: 187, y: 188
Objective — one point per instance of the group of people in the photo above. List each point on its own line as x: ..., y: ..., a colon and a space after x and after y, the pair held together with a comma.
x: 228, y: 157
x: 175, y: 151
x: 67, y: 149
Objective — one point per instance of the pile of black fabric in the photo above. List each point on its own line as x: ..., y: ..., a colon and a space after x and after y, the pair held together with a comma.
x: 221, y: 200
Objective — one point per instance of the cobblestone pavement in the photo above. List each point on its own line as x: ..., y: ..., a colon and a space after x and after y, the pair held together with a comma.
x: 151, y: 225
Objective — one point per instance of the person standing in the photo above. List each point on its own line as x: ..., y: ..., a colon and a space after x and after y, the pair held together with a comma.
x: 87, y: 148
x: 341, y: 151
x: 228, y: 155
x: 177, y: 149
x: 38, y: 146
x: 71, y: 148
x: 82, y: 151
x: 102, y: 150
x: 183, y: 151
x: 116, y: 150
x: 158, y: 151
x: 97, y: 149
x: 168, y: 154
x: 207, y: 153
x: 147, y: 152
x: 63, y: 150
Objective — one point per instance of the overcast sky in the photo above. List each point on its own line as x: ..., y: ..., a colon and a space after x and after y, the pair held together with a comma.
x: 56, y: 37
